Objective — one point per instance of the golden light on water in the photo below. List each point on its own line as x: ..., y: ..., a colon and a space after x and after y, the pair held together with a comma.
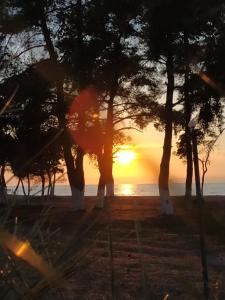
x: 126, y: 189
x: 125, y: 157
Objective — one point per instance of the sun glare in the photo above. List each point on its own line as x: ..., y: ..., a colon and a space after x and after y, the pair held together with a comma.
x: 126, y: 189
x: 125, y: 157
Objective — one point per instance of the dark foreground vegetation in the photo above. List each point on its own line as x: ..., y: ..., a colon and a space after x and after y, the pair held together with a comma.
x: 125, y: 251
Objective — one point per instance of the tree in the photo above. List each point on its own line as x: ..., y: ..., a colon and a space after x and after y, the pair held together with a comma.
x: 208, y: 147
x: 175, y: 43
x: 35, y: 15
x: 108, y: 61
x: 161, y: 39
x: 29, y: 125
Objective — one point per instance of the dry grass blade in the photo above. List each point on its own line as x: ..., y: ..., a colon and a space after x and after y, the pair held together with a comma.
x: 8, y: 102
x: 67, y: 267
x: 78, y: 236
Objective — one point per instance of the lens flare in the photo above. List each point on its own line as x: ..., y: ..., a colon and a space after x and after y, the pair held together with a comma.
x: 24, y: 250
x: 86, y: 133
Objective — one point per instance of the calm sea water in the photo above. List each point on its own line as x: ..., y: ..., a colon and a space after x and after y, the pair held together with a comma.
x: 176, y: 189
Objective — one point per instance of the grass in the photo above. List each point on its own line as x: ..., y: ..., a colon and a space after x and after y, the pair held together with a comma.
x: 126, y: 251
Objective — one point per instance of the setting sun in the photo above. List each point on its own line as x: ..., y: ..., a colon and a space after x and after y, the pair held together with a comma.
x: 125, y: 157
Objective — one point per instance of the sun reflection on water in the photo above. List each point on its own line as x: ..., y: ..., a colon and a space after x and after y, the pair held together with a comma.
x: 126, y: 189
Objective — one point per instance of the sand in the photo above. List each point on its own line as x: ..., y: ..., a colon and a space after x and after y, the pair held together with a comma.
x: 132, y: 252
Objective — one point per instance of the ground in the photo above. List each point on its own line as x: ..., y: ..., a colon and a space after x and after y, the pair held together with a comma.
x: 130, y: 251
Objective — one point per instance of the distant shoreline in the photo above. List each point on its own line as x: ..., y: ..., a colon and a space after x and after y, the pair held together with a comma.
x: 67, y: 199
x: 129, y: 189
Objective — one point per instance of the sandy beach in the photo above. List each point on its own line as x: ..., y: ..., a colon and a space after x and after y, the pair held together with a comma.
x: 131, y: 251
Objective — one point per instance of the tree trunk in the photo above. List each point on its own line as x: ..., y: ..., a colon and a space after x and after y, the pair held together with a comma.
x: 52, y: 192
x: 187, y: 112
x: 100, y: 159
x: 204, y: 171
x: 189, y: 174
x: 101, y: 183
x: 28, y: 189
x: 167, y: 207
x: 3, y: 176
x: 108, y: 148
x: 69, y: 160
x: 23, y: 188
x: 78, y: 187
x: 79, y: 184
x: 17, y: 186
x: 49, y: 183
x: 189, y: 171
x: 3, y: 186
x: 28, y: 185
x: 42, y: 185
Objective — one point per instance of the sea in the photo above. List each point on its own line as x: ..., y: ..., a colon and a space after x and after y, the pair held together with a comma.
x: 128, y: 189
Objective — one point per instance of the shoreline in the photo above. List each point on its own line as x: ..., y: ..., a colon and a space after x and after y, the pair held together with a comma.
x: 66, y: 197
x: 117, y: 201
x: 128, y: 189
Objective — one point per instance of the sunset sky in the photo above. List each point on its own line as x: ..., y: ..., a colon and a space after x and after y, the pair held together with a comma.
x: 145, y: 167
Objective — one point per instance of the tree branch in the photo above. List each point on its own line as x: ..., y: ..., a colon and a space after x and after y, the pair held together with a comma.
x: 178, y: 102
x: 128, y: 128
x: 28, y: 49
x: 131, y: 117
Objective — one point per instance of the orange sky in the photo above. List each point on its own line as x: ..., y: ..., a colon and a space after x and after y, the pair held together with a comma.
x: 145, y: 167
